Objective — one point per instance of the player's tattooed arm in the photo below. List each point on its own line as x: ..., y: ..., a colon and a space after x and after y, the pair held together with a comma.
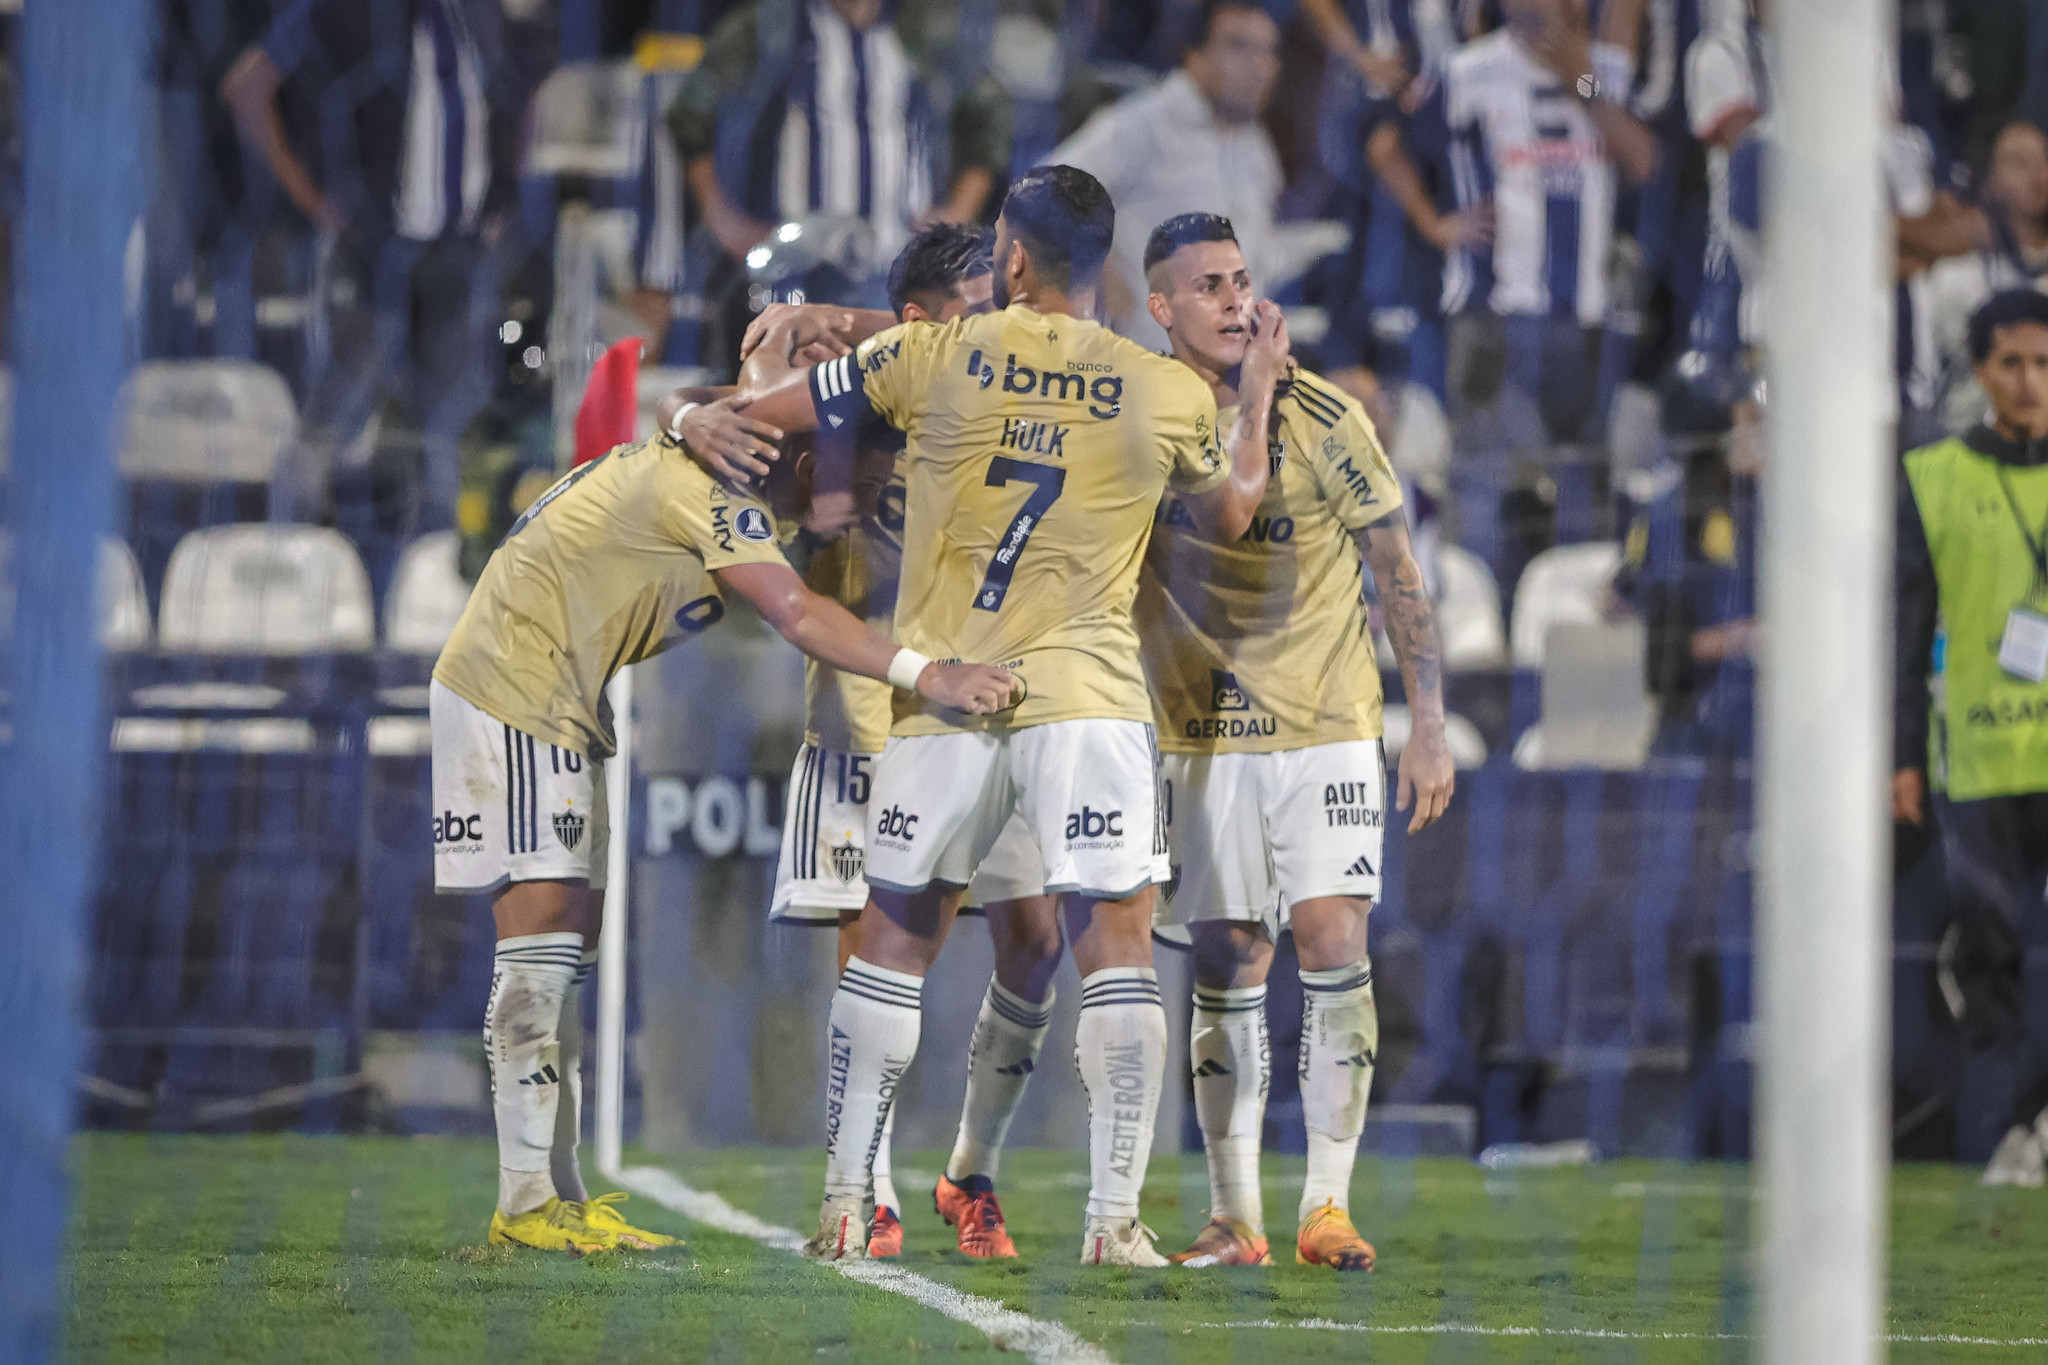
x: 1224, y: 512
x: 1427, y: 776
x: 729, y: 443
x: 831, y: 634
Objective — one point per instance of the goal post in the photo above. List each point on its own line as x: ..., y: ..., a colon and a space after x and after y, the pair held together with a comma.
x: 1823, y: 908
x: 610, y: 1119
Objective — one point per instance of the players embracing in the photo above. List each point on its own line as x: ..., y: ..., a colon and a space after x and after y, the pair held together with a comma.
x: 1039, y: 446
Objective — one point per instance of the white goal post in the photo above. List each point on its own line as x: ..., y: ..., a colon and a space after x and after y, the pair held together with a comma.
x: 1823, y: 894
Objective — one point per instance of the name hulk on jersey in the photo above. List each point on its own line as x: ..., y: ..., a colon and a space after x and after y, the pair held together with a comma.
x: 1038, y: 447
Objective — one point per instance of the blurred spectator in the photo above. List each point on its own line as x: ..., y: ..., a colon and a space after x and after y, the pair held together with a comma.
x: 2014, y: 201
x: 406, y: 172
x: 816, y: 106
x: 1689, y: 571
x: 1991, y: 57
x: 219, y: 193
x: 1540, y: 131
x: 1382, y: 137
x: 1193, y: 144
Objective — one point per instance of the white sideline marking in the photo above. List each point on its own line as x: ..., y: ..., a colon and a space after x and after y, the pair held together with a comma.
x: 1047, y: 1343
x: 1605, y: 1333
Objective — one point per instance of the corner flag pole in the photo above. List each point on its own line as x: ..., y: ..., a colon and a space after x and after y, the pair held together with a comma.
x: 611, y: 946
x: 1823, y: 745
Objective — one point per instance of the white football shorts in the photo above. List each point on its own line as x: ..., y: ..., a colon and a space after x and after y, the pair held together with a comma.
x: 1086, y: 790
x: 1251, y: 834
x: 509, y: 807
x: 822, y: 867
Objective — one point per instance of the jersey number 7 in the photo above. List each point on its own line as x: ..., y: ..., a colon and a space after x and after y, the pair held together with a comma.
x: 1046, y: 484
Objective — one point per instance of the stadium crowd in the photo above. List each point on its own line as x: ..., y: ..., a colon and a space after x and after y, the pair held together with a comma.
x: 1525, y: 234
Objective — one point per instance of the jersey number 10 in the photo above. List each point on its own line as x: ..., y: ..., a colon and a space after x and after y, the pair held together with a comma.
x: 1046, y: 484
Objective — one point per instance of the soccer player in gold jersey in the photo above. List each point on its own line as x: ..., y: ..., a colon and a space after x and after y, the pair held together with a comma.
x: 1039, y: 445
x: 622, y: 558
x: 942, y: 273
x: 1268, y: 694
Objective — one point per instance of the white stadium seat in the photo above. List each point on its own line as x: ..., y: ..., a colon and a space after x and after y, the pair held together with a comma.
x: 1560, y: 587
x: 123, y: 603
x: 1468, y: 611
x: 266, y: 589
x: 1596, y: 711
x: 427, y: 595
x: 205, y: 421
x: 589, y: 119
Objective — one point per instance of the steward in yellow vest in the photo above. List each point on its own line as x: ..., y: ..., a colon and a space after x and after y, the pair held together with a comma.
x: 1973, y: 618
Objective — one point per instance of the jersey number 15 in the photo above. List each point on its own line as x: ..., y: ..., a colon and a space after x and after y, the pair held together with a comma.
x: 1046, y: 483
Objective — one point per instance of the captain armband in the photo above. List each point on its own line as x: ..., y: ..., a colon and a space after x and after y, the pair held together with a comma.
x: 839, y: 392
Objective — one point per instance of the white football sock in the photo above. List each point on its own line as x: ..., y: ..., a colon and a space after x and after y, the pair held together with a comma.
x: 885, y: 1180
x: 870, y: 1042
x: 1340, y: 1039
x: 567, y: 1170
x: 1231, y: 1059
x: 522, y: 1025
x: 1007, y: 1038
x: 1120, y: 1049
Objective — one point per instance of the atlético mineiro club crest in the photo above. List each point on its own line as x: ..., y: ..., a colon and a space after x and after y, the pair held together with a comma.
x: 847, y: 861
x: 569, y: 829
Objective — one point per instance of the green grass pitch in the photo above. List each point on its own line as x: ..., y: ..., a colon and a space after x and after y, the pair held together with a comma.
x: 287, y: 1248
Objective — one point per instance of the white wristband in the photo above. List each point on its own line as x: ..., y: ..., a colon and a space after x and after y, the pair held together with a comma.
x: 675, y: 423
x: 906, y: 668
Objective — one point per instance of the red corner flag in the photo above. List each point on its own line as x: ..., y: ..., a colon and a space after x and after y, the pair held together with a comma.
x: 611, y: 403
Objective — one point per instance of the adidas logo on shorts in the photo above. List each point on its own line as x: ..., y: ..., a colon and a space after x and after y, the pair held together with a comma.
x: 1360, y: 868
x: 1211, y: 1067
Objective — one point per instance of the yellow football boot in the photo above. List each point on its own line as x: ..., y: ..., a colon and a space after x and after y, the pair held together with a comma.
x: 601, y: 1214
x: 1329, y: 1238
x: 555, y: 1226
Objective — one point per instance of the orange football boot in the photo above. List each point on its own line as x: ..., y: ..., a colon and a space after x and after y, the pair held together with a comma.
x: 1328, y: 1238
x: 885, y: 1234
x: 1225, y: 1241
x: 977, y: 1218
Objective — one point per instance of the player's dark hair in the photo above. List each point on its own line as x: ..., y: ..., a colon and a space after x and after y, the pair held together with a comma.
x: 1206, y: 25
x: 1065, y: 220
x: 2008, y: 308
x: 1185, y: 229
x: 935, y: 261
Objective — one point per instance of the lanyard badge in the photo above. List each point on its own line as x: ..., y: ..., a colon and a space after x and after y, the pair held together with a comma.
x: 2023, y: 650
